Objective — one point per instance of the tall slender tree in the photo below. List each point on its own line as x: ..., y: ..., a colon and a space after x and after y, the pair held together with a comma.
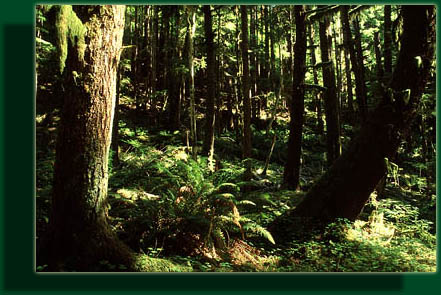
x: 387, y: 40
x: 356, y: 67
x: 330, y: 95
x: 191, y: 26
x: 317, y: 100
x: 291, y: 175
x: 246, y: 140
x: 211, y: 79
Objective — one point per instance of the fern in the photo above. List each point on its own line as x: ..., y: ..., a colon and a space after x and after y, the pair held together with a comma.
x: 246, y: 202
x: 251, y: 226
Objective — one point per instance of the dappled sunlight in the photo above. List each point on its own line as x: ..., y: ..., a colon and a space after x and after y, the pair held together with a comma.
x: 224, y: 155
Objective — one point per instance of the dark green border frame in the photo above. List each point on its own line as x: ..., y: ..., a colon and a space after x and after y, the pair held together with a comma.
x: 17, y: 166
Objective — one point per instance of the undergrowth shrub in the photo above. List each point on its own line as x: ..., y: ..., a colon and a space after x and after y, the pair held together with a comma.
x: 187, y: 210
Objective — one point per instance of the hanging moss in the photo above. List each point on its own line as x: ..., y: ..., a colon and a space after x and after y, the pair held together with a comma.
x: 69, y: 28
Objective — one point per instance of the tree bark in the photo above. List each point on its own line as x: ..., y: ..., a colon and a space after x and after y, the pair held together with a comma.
x: 387, y: 40
x: 330, y: 95
x: 246, y: 140
x: 154, y: 42
x: 191, y: 22
x: 291, y: 174
x: 267, y: 67
x: 344, y: 190
x: 362, y: 102
x: 253, y: 68
x: 79, y: 233
x: 115, y: 129
x: 211, y: 78
x: 378, y: 64
x: 349, y: 94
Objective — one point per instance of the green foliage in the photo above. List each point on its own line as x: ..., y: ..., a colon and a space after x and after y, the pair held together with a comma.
x: 163, y: 203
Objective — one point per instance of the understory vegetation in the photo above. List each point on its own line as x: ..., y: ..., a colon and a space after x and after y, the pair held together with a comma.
x: 215, y: 142
x: 165, y: 205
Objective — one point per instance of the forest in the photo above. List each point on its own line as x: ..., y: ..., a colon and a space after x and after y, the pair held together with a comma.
x: 235, y: 138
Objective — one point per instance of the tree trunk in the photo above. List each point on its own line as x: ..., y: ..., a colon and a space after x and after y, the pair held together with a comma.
x: 173, y: 79
x: 115, y: 135
x: 134, y: 61
x: 349, y: 94
x: 246, y: 140
x: 378, y: 65
x: 154, y: 42
x: 337, y: 53
x: 317, y: 100
x: 363, y: 107
x: 191, y: 21
x: 211, y: 78
x: 272, y: 53
x: 79, y: 233
x: 387, y: 40
x: 350, y: 47
x: 267, y: 71
x: 344, y: 190
x: 253, y: 68
x: 330, y: 95
x: 291, y: 174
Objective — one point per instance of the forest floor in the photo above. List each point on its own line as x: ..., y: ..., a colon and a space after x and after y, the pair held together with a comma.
x: 184, y: 217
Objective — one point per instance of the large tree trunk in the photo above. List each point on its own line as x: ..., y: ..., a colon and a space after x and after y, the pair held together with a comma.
x: 330, y: 95
x: 211, y: 78
x: 79, y: 233
x: 343, y: 191
x: 291, y: 174
x: 246, y: 140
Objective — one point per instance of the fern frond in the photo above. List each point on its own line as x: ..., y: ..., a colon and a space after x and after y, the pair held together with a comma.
x: 257, y: 229
x: 246, y: 202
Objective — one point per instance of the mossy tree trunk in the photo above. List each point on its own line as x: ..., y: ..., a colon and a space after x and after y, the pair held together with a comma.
x: 291, y: 175
x: 343, y: 191
x: 79, y: 235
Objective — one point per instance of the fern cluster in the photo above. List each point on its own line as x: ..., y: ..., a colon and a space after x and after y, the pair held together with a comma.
x: 178, y: 202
